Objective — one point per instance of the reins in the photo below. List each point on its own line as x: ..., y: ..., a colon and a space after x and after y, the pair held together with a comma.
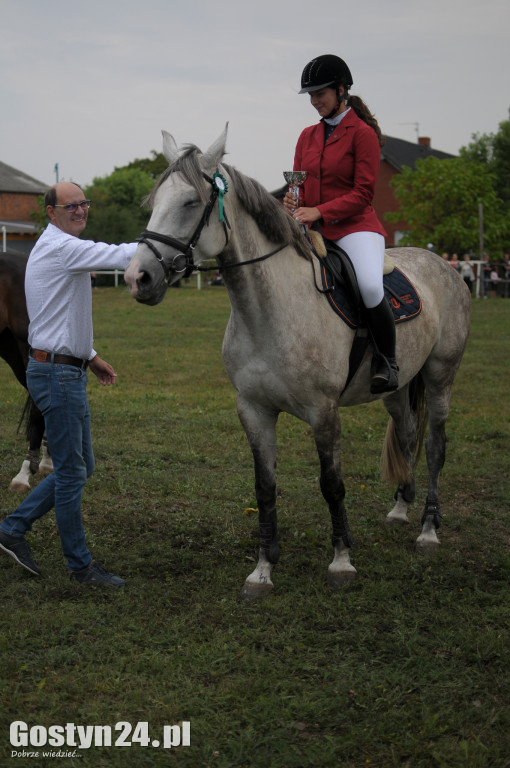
x: 183, y: 262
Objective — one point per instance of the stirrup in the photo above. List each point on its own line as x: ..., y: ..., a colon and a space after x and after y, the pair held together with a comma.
x: 384, y: 375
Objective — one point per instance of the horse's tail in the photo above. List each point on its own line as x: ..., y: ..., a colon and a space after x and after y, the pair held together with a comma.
x: 32, y: 418
x: 24, y: 418
x: 394, y: 466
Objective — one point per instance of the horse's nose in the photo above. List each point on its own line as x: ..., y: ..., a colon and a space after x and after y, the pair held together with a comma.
x: 133, y: 277
x: 144, y: 281
x: 142, y: 288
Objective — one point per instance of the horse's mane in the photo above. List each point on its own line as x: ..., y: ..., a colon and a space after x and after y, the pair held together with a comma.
x: 270, y: 216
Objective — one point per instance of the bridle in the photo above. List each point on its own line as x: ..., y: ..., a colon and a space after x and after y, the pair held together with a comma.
x: 182, y: 262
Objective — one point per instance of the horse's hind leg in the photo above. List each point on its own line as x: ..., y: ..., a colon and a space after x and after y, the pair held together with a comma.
x: 260, y: 428
x: 34, y: 433
x: 21, y: 481
x: 36, y: 436
x: 46, y: 463
x: 438, y: 399
x: 327, y: 433
x: 399, y: 451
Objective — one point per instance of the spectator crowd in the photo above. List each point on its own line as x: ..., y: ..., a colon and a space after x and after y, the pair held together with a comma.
x: 494, y: 278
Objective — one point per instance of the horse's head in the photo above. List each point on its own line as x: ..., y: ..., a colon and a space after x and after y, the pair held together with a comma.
x: 187, y: 222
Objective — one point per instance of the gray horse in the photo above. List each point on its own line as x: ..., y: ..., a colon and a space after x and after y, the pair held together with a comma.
x: 285, y: 350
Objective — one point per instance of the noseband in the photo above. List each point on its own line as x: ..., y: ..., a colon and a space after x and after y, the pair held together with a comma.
x: 183, y: 261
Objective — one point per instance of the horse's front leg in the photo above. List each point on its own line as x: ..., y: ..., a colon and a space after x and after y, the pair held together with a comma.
x: 327, y: 434
x: 260, y: 428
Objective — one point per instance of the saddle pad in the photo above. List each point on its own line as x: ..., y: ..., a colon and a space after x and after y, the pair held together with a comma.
x: 400, y: 292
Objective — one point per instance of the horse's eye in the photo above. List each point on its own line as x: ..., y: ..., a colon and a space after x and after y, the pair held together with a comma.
x: 190, y: 203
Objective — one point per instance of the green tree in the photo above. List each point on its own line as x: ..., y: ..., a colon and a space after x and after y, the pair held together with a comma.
x: 493, y: 151
x: 154, y: 165
x: 439, y: 201
x: 40, y: 216
x: 116, y: 215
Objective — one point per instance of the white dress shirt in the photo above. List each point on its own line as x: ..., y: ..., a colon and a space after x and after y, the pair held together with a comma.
x: 59, y: 292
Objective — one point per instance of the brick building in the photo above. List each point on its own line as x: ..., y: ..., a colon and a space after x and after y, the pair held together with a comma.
x: 396, y: 154
x: 18, y: 199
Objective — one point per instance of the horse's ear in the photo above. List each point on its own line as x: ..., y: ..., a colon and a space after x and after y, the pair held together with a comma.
x: 215, y: 153
x: 170, y: 150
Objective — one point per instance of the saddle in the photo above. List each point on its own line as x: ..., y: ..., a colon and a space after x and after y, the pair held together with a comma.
x: 341, y: 288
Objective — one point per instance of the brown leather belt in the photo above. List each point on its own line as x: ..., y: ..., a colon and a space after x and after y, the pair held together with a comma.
x: 51, y: 357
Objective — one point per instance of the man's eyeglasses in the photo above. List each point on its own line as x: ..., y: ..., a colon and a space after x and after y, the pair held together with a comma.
x: 71, y: 207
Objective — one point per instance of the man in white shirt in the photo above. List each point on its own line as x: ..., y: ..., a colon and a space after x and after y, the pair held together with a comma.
x: 59, y: 303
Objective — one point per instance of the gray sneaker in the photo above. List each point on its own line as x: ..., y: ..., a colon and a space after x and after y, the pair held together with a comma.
x: 94, y: 575
x: 17, y: 547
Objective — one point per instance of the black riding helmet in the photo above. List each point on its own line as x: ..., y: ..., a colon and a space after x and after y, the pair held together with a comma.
x: 324, y: 71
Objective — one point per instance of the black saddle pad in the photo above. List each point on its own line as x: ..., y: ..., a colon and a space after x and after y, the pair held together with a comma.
x: 398, y: 289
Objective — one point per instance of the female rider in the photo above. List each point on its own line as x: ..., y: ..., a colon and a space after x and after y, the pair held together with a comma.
x: 341, y: 155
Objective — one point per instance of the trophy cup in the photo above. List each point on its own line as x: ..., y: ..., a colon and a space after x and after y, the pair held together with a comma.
x: 295, y: 179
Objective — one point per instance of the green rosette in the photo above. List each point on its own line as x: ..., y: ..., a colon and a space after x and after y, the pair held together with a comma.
x: 221, y: 185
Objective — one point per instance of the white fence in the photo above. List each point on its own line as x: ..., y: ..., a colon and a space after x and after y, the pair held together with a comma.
x: 120, y: 273
x: 479, y: 280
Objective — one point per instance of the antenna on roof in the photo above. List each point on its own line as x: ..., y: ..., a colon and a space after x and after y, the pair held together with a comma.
x: 416, y: 128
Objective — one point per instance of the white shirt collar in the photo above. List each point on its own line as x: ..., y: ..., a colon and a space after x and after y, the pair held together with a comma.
x: 337, y: 119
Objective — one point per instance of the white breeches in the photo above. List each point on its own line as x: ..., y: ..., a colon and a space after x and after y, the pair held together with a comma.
x: 366, y: 251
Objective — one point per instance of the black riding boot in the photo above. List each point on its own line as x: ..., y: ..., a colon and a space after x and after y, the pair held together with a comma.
x: 384, y: 365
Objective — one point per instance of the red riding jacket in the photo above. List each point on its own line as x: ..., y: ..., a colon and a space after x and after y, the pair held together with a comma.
x: 341, y: 175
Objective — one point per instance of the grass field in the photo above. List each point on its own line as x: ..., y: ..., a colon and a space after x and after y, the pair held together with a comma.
x: 409, y: 667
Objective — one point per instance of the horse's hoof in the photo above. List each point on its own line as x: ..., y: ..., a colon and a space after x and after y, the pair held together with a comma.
x: 427, y: 546
x: 255, y: 591
x: 392, y: 521
x: 341, y: 579
x: 16, y: 486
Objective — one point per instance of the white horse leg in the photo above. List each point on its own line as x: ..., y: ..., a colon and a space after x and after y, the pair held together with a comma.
x: 46, y: 463
x: 260, y: 428
x: 22, y: 480
x: 341, y: 572
x: 428, y: 541
x: 398, y: 515
x: 404, y: 496
x: 258, y: 584
x: 29, y: 467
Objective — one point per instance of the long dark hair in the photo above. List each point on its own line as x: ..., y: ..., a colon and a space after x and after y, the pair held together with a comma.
x: 364, y: 114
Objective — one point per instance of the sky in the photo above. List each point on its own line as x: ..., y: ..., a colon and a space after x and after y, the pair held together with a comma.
x: 90, y: 85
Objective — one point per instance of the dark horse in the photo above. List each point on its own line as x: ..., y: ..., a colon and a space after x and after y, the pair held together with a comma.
x: 14, y: 350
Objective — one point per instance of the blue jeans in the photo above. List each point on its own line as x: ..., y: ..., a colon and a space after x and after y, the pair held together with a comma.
x: 59, y: 391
